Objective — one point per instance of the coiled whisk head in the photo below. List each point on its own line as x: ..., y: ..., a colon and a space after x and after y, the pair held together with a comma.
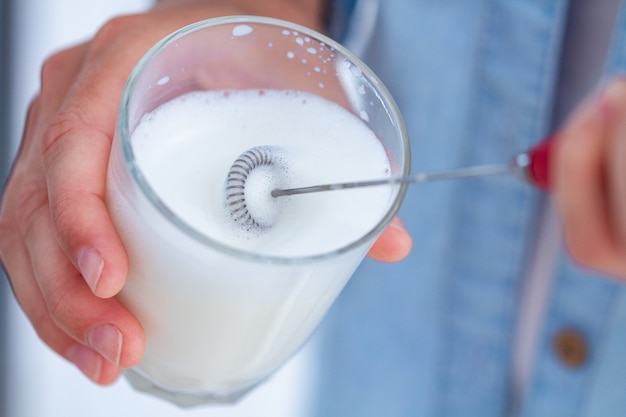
x: 250, y: 180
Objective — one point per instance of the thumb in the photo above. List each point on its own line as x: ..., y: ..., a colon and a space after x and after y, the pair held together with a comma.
x: 393, y: 245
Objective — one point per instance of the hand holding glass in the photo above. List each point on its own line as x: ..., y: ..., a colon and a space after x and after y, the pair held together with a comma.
x: 224, y: 306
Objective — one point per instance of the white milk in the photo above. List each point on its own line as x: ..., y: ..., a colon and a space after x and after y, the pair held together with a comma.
x: 217, y: 321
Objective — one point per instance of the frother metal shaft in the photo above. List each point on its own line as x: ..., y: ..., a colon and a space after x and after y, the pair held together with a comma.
x: 476, y: 171
x: 531, y: 166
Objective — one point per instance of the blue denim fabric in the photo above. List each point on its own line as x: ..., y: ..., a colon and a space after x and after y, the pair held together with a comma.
x: 434, y: 335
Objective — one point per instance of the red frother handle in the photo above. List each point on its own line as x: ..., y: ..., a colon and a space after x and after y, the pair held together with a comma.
x: 538, y: 169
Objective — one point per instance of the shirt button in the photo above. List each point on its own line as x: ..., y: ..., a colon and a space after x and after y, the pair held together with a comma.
x: 570, y: 348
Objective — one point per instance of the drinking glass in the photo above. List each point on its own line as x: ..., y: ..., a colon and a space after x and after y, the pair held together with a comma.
x: 219, y: 319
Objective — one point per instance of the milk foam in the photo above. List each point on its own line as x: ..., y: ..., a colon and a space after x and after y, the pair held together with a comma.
x: 185, y: 149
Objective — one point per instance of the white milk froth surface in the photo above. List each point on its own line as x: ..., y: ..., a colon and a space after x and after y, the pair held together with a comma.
x: 186, y: 147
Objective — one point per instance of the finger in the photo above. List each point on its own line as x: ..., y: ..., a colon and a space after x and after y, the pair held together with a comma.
x: 581, y: 187
x: 616, y: 157
x: 30, y: 299
x: 102, y: 324
x: 393, y: 245
x: 59, y: 73
x: 42, y: 109
x: 76, y: 147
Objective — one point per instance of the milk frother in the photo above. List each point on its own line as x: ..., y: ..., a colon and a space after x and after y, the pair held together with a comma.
x: 531, y: 166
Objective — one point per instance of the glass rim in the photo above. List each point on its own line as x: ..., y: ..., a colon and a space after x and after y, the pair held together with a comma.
x: 124, y: 134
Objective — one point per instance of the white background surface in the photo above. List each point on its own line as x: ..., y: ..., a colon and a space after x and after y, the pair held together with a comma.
x: 41, y: 384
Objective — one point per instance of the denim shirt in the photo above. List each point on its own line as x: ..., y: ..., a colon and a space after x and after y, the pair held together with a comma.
x: 434, y: 335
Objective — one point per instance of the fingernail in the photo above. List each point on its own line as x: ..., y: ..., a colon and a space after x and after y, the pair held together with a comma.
x: 107, y: 341
x: 88, y: 361
x: 90, y: 264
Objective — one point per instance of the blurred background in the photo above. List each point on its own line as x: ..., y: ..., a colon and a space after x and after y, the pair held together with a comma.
x: 33, y: 380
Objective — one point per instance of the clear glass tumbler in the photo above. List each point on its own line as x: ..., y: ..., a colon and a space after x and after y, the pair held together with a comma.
x: 220, y: 319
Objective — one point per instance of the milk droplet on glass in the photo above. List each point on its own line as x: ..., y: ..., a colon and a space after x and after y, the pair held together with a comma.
x: 242, y: 30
